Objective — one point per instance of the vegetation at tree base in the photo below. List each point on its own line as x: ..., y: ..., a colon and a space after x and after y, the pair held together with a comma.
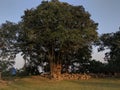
x: 96, y: 67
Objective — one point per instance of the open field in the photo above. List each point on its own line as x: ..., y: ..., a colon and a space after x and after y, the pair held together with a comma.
x: 39, y: 83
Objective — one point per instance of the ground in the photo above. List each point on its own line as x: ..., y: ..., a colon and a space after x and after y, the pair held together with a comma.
x: 39, y: 83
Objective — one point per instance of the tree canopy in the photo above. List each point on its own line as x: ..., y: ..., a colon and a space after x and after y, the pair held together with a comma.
x: 54, y: 29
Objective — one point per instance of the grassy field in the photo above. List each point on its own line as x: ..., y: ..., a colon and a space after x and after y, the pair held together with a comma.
x: 38, y: 83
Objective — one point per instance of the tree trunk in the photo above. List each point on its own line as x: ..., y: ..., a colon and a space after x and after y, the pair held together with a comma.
x: 55, y: 65
x: 55, y: 70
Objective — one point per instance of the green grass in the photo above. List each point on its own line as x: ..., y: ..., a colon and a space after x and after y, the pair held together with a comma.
x: 38, y: 83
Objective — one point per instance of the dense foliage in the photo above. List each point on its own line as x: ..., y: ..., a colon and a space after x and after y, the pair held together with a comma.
x: 111, y: 41
x: 56, y: 31
x: 8, y: 43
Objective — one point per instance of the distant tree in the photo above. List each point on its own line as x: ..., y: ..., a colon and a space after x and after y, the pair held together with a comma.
x: 8, y: 44
x: 111, y: 41
x: 55, y: 29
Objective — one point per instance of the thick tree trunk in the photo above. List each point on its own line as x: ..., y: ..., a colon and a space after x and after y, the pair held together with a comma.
x: 55, y: 68
x: 55, y: 71
x: 55, y: 65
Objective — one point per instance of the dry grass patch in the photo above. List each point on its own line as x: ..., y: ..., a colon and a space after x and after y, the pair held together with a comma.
x: 41, y: 83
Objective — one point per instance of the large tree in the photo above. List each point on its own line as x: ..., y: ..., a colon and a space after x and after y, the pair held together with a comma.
x: 55, y: 29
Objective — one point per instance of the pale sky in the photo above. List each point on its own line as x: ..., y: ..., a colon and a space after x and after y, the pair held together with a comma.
x: 104, y: 12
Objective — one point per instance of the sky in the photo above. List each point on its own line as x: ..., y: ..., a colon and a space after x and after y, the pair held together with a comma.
x: 104, y: 12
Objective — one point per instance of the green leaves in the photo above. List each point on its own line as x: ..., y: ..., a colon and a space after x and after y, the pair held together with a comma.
x: 9, y: 33
x: 53, y: 30
x: 57, y: 28
x: 112, y: 42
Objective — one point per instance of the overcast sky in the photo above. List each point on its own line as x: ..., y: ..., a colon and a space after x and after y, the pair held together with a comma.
x: 104, y: 12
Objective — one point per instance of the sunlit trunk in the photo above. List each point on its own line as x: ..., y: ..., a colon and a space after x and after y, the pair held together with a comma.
x: 55, y: 67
